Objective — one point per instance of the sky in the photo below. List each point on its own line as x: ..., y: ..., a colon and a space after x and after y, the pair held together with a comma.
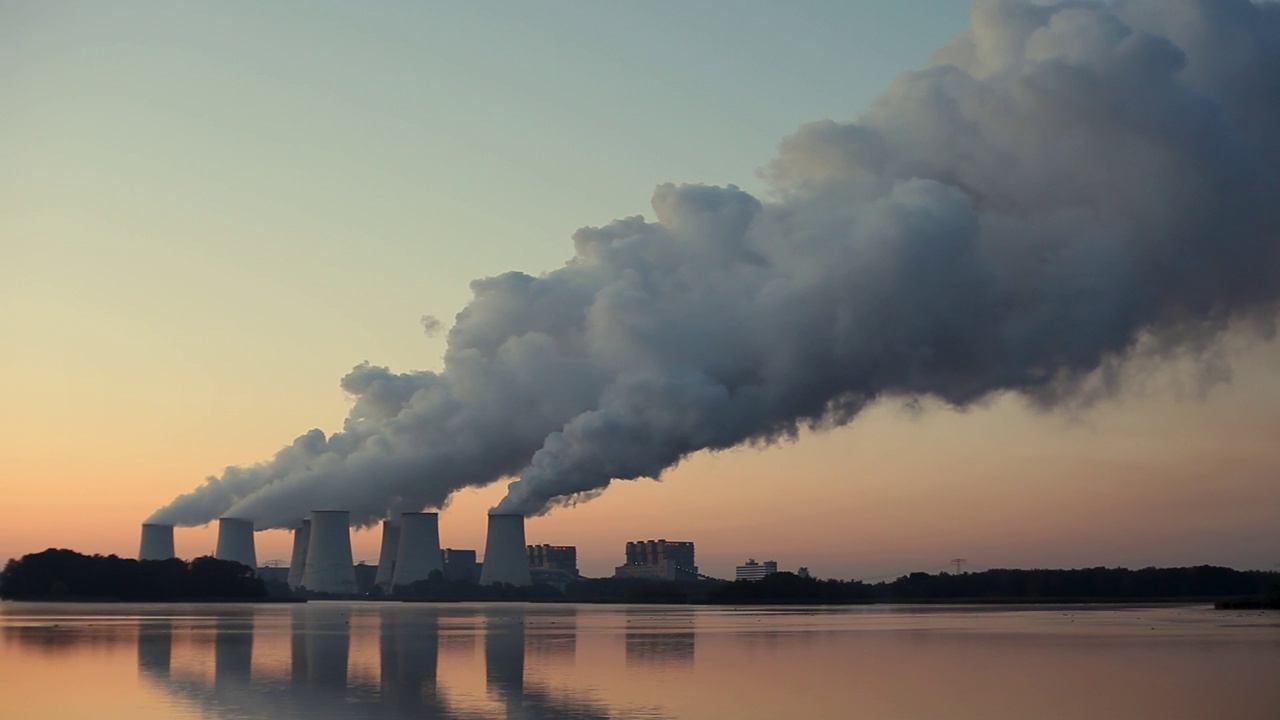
x: 214, y: 212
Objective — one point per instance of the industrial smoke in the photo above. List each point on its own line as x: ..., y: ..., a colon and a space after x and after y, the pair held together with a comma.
x: 1066, y: 186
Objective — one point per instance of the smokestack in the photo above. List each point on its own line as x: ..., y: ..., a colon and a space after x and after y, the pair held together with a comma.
x: 298, y: 561
x: 329, y: 567
x: 506, y: 559
x: 419, y: 552
x: 235, y: 542
x: 387, y: 555
x: 157, y: 542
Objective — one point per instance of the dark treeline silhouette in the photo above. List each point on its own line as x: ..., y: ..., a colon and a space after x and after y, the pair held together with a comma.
x: 1084, y: 585
x: 68, y: 575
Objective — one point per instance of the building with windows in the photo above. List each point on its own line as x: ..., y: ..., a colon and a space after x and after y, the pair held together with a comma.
x: 659, y: 560
x: 753, y: 570
x: 460, y: 565
x: 553, y: 557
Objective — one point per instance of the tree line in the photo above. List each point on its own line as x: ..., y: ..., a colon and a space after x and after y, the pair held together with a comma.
x: 69, y: 575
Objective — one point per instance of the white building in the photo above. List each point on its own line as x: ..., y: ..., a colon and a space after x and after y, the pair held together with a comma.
x: 755, y: 571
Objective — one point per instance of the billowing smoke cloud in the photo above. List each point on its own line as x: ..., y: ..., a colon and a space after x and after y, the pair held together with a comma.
x: 1064, y: 182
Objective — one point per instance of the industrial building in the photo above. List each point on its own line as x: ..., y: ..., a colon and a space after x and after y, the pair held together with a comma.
x: 659, y: 560
x: 554, y: 557
x: 753, y: 570
x: 461, y: 566
x: 506, y: 557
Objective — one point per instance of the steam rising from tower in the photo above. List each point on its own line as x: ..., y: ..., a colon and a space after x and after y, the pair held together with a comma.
x: 1067, y: 186
x: 506, y: 557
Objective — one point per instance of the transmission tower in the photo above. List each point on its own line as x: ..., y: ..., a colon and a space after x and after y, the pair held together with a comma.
x: 959, y: 563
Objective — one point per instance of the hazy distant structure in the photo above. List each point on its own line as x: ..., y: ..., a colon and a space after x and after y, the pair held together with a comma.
x: 554, y: 557
x: 461, y: 565
x: 506, y: 557
x: 419, y: 552
x: 235, y: 542
x: 157, y: 542
x: 329, y: 566
x: 387, y: 555
x: 659, y: 560
x: 803, y: 572
x: 298, y: 558
x: 753, y: 570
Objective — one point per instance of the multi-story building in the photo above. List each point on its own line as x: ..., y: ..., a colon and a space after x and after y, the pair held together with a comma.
x: 553, y: 557
x: 461, y: 565
x: 659, y: 560
x: 753, y: 570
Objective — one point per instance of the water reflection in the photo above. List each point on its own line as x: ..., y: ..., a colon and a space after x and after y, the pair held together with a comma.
x: 318, y: 683
x: 424, y: 661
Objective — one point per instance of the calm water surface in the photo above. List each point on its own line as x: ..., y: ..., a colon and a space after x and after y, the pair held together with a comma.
x: 391, y: 660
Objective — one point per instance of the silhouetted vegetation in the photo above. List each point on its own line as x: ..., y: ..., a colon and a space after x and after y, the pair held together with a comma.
x: 1086, y: 585
x: 68, y: 575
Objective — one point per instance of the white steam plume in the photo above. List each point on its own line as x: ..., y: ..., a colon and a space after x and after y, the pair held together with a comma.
x: 1065, y: 180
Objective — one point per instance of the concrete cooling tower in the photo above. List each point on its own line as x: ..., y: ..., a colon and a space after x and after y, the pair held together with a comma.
x: 235, y: 542
x: 329, y: 567
x: 157, y: 542
x: 387, y: 555
x: 298, y: 560
x: 419, y: 548
x: 506, y: 559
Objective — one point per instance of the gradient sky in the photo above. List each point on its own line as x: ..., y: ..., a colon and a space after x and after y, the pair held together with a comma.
x: 213, y: 212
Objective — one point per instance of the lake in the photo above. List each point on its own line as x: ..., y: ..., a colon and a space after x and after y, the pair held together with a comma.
x: 417, y: 660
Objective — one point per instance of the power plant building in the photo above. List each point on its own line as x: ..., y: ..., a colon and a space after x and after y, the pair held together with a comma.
x: 157, y: 542
x: 235, y: 542
x: 329, y: 567
x: 753, y: 570
x: 554, y: 557
x: 506, y: 557
x: 419, y: 553
x: 659, y: 560
x: 461, y: 565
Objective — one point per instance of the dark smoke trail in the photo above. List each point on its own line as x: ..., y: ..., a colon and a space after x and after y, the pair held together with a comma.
x: 1064, y: 182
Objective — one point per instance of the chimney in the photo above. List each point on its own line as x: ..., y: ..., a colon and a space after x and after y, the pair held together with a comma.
x: 298, y: 561
x: 157, y: 542
x: 387, y: 555
x: 235, y: 542
x: 329, y: 567
x: 419, y: 551
x: 506, y: 559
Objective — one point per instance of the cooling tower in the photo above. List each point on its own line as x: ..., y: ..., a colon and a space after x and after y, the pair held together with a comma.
x: 387, y: 556
x: 329, y: 566
x: 506, y: 560
x: 419, y: 548
x: 298, y: 561
x: 157, y: 542
x: 235, y: 542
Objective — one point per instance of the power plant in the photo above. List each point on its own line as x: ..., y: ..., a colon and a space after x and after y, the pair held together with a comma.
x: 157, y: 542
x: 235, y: 542
x: 298, y: 559
x: 506, y: 557
x: 329, y: 567
x: 387, y: 555
x: 419, y: 553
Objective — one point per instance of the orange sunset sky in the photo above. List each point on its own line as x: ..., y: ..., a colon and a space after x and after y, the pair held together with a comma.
x: 211, y: 216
